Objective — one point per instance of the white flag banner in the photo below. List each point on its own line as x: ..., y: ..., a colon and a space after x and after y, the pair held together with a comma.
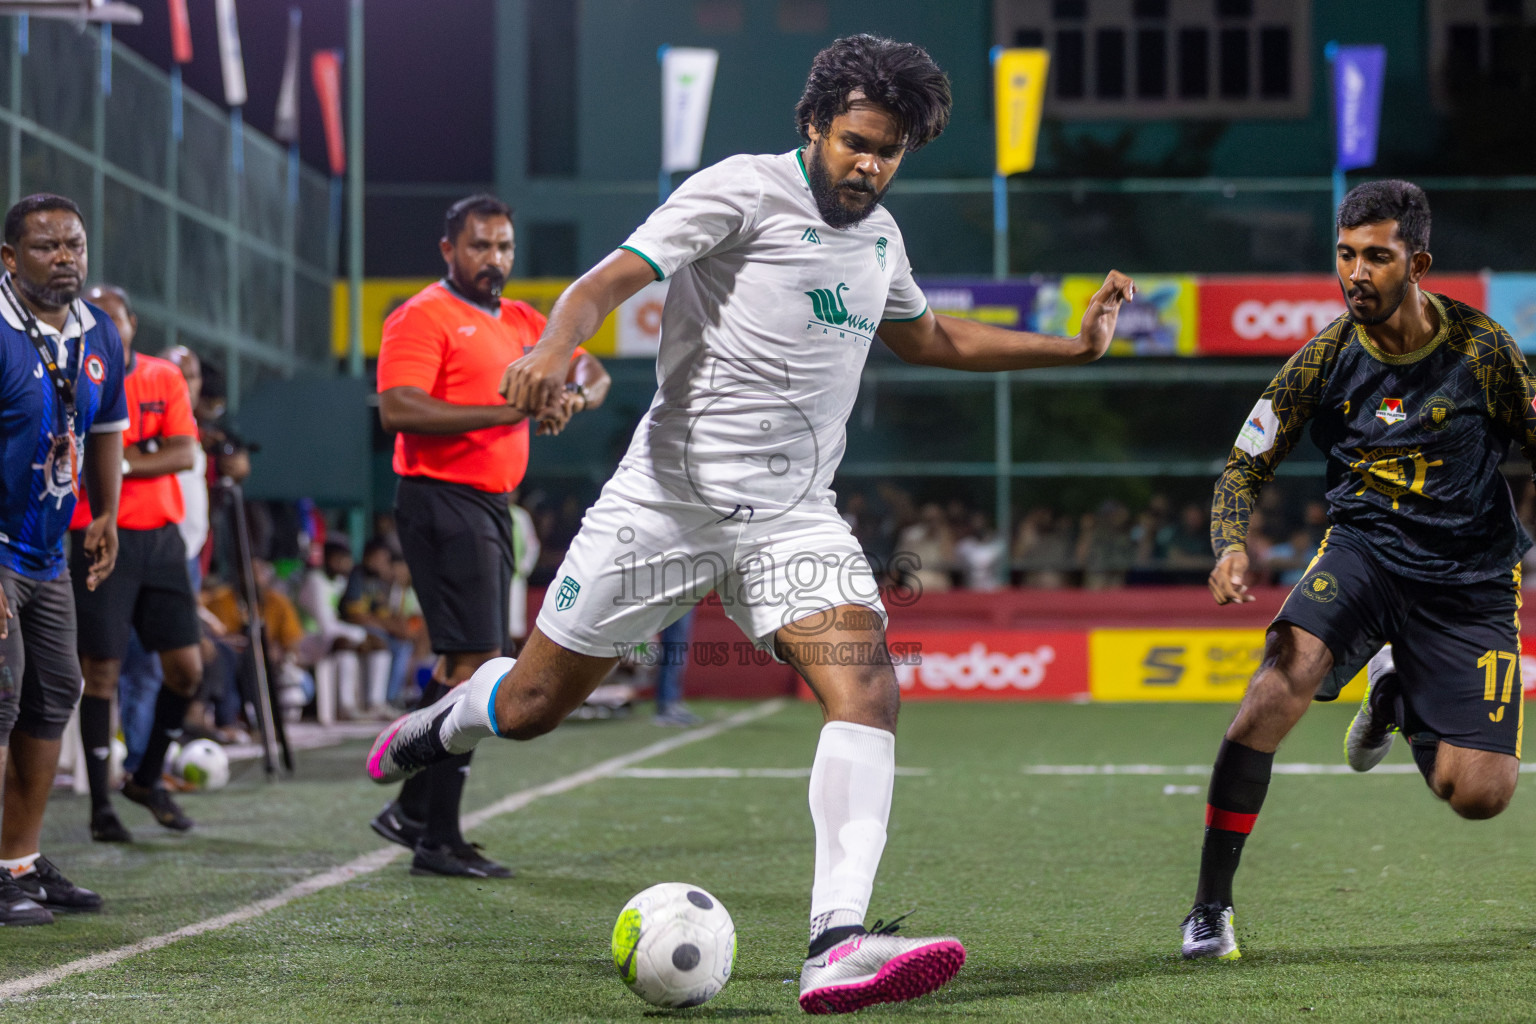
x: 639, y: 321
x: 687, y: 79
x: 229, y: 53
x: 287, y: 121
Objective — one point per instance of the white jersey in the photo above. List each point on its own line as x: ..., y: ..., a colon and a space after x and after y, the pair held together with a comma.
x: 768, y: 321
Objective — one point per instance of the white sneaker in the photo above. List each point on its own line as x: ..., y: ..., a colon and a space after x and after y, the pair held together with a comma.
x: 411, y: 742
x: 1208, y: 933
x: 1371, y: 730
x: 877, y: 967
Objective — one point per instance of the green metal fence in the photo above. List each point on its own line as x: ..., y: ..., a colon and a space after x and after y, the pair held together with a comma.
x: 232, y: 262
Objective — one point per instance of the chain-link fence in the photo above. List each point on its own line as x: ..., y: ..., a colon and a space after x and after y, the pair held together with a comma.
x: 232, y: 261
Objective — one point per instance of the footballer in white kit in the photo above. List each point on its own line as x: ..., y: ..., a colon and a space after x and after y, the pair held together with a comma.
x: 784, y: 270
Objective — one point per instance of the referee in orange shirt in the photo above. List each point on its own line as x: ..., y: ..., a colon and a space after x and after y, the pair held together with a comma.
x: 460, y: 451
x: 150, y: 592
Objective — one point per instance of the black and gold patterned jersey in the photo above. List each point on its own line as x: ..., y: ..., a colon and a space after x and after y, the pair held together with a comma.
x: 1414, y: 443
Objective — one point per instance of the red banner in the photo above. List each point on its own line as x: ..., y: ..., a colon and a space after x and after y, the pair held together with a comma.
x: 988, y: 664
x: 325, y: 68
x: 1528, y: 665
x: 181, y: 32
x: 1269, y: 316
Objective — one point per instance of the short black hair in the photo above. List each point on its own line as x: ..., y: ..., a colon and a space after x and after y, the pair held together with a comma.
x: 481, y: 204
x: 120, y: 292
x: 337, y: 547
x: 1377, y: 201
x: 41, y: 202
x: 900, y: 77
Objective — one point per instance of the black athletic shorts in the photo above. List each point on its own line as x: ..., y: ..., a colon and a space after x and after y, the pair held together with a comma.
x: 39, y: 669
x: 1456, y: 646
x: 457, y: 541
x: 148, y: 592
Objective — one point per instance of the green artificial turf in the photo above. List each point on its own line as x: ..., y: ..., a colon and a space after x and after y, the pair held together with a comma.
x: 1361, y: 898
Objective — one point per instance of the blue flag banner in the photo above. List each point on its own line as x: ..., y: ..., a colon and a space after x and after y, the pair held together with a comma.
x: 1358, y: 72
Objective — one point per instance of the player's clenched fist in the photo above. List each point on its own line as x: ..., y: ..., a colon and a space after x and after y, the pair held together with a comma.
x: 534, y: 383
x: 1104, y: 310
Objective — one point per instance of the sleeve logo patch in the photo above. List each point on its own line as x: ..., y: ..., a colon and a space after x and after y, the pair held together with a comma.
x: 95, y: 368
x: 1259, y: 430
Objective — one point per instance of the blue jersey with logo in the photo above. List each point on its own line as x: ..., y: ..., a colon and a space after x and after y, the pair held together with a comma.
x: 40, y: 478
x: 1414, y: 445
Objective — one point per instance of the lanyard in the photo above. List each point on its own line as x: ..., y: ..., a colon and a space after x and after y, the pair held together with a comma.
x: 65, y: 387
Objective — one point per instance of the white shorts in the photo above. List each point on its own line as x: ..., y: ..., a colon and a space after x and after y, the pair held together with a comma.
x: 636, y: 567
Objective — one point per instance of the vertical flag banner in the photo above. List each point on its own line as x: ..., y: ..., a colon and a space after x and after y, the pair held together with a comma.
x: 325, y: 69
x: 687, y: 79
x: 181, y: 32
x: 229, y: 53
x: 286, y: 126
x: 1358, y: 73
x: 1019, y: 91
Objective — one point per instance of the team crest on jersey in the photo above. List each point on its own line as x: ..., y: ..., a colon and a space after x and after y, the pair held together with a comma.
x: 828, y: 311
x: 61, y: 470
x: 1391, y: 411
x: 95, y: 368
x: 1437, y: 413
x: 880, y: 245
x: 1320, y: 586
x: 569, y: 589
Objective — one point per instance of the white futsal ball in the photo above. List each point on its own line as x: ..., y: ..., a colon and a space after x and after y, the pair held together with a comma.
x: 674, y: 945
x: 204, y: 764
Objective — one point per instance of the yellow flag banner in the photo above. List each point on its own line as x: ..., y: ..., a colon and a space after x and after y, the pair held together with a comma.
x: 1019, y: 91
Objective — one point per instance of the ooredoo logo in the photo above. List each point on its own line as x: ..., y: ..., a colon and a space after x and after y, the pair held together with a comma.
x: 978, y: 668
x: 1282, y: 320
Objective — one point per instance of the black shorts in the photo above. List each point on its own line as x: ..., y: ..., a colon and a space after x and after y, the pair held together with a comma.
x: 458, y: 542
x: 148, y: 591
x: 39, y: 670
x: 1456, y: 646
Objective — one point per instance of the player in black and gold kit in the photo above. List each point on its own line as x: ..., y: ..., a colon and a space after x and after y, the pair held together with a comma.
x: 1415, y: 398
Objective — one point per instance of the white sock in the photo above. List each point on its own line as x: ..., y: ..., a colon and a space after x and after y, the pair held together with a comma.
x: 473, y: 717
x: 851, y: 782
x: 20, y: 866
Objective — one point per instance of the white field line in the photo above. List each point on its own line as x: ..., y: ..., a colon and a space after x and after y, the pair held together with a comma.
x: 378, y: 859
x: 1296, y: 768
x: 732, y: 773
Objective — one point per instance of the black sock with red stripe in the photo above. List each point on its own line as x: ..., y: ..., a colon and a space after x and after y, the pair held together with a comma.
x: 1239, y: 783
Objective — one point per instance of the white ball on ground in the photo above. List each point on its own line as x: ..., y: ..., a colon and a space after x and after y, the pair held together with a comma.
x: 674, y: 945
x: 173, y: 758
x: 204, y: 764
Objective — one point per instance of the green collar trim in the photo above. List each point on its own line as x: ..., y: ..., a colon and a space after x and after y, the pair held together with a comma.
x: 1417, y: 354
x: 800, y: 159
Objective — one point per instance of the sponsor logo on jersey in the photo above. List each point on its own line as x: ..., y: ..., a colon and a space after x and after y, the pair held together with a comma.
x: 880, y: 245
x: 810, y: 235
x: 1258, y: 433
x: 1437, y: 413
x: 61, y: 469
x: 467, y: 330
x: 1321, y: 587
x: 829, y: 310
x: 1391, y: 411
x: 569, y: 588
x: 95, y: 368
x: 1392, y: 472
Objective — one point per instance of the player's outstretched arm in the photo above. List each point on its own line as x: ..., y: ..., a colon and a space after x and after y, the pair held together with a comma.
x: 933, y: 340
x: 535, y: 382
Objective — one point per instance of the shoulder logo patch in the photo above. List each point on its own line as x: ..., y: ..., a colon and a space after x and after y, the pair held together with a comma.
x: 95, y: 368
x: 880, y: 251
x: 1258, y: 433
x: 810, y: 235
x: 569, y: 588
x: 1391, y: 411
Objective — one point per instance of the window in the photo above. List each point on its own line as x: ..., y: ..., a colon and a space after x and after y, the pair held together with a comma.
x: 1480, y: 45
x: 1172, y: 58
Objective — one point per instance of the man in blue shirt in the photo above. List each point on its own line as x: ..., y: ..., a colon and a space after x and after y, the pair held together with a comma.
x: 62, y: 413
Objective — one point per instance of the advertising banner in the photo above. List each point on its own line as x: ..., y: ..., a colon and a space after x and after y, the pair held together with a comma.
x: 1512, y: 304
x: 1528, y: 666
x: 1016, y: 305
x: 382, y: 294
x: 638, y: 326
x: 1358, y: 72
x: 687, y: 79
x: 1018, y: 82
x: 1180, y: 664
x: 966, y: 664
x: 1160, y: 321
x: 1278, y: 314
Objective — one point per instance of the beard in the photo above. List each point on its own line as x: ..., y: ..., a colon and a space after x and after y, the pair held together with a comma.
x: 484, y: 287
x: 46, y: 296
x: 1389, y: 305
x: 826, y: 194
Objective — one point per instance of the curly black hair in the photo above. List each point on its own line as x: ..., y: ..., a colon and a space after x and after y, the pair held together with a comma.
x: 1377, y: 201
x: 899, y: 77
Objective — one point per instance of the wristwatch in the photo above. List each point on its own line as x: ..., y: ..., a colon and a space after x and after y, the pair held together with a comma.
x: 578, y: 389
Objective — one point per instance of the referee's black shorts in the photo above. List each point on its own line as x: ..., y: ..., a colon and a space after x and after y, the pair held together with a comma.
x: 148, y: 591
x: 457, y: 541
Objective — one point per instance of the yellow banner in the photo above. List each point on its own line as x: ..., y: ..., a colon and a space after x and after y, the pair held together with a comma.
x: 1160, y: 321
x: 1180, y: 665
x: 1018, y: 80
x: 381, y: 295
